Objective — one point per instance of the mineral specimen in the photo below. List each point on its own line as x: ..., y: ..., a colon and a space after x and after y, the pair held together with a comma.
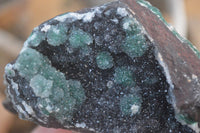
x: 101, y: 70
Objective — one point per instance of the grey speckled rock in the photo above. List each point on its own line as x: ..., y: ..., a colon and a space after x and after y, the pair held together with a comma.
x: 93, y: 71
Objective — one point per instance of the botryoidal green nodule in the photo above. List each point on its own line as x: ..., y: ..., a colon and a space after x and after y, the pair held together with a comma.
x: 104, y: 60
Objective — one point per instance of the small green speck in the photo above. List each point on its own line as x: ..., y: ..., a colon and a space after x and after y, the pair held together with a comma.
x: 184, y: 119
x: 9, y: 70
x: 104, y: 60
x: 130, y: 104
x: 78, y: 38
x: 124, y: 76
x: 57, y: 35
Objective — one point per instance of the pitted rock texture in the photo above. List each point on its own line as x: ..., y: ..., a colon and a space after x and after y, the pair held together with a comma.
x: 94, y: 70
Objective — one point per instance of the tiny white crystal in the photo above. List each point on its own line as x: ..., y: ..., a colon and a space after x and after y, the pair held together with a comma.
x: 122, y: 11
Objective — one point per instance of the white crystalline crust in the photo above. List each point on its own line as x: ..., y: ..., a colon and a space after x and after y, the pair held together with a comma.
x: 195, y: 127
x: 135, y: 108
x: 46, y: 27
x: 15, y: 86
x: 86, y: 17
x: 115, y: 20
x: 166, y: 71
x: 83, y: 125
x: 122, y: 11
x: 80, y: 125
x: 28, y: 108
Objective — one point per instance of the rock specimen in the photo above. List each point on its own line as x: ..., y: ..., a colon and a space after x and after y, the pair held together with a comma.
x: 97, y: 70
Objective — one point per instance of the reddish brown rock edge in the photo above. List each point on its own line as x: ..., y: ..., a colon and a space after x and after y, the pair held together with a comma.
x: 183, y: 64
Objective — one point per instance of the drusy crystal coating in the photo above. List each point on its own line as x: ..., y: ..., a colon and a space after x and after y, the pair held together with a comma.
x: 94, y: 71
x: 104, y: 60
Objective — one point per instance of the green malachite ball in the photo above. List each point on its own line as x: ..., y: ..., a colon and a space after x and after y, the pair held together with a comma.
x: 79, y: 39
x: 130, y: 104
x: 124, y: 76
x: 57, y: 35
x: 104, y: 60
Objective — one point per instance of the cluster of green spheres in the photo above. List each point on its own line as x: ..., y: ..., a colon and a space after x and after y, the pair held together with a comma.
x: 59, y: 34
x: 134, y: 44
x: 54, y: 34
x: 46, y: 81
